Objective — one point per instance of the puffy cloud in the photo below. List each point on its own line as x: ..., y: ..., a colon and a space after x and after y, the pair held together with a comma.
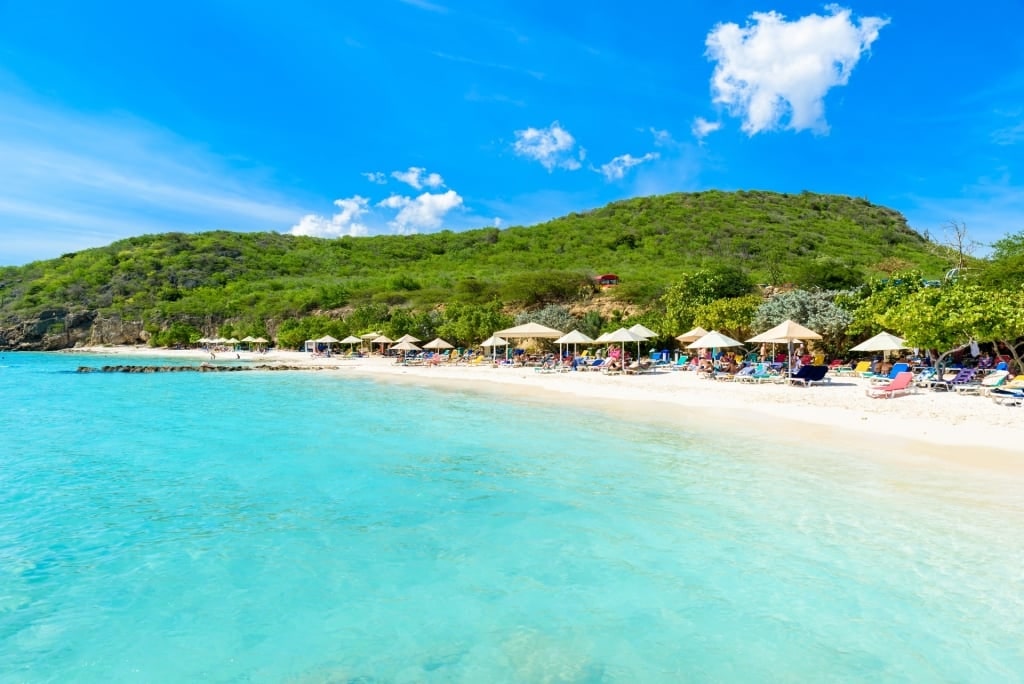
x: 421, y: 213
x: 418, y: 178
x: 345, y: 222
x: 702, y: 127
x: 617, y: 167
x: 552, y: 147
x: 773, y: 69
x: 375, y: 177
x: 661, y: 138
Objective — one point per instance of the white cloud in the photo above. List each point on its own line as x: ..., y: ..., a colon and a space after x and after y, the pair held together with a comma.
x: 773, y: 69
x: 497, y: 222
x: 702, y: 127
x: 661, y: 138
x: 616, y: 169
x: 375, y: 177
x: 421, y: 213
x: 345, y: 222
x: 552, y: 147
x: 418, y: 178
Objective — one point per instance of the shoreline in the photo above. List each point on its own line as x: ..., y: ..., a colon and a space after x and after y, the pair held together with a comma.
x: 967, y: 431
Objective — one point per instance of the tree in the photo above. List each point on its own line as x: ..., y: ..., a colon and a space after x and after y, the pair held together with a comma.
x: 591, y: 324
x: 733, y: 316
x: 948, y: 317
x: 693, y: 290
x: 816, y: 310
x: 469, y: 324
x: 827, y: 273
x: 1006, y: 267
x: 553, y: 316
x: 955, y: 246
x: 1009, y: 246
x: 870, y: 304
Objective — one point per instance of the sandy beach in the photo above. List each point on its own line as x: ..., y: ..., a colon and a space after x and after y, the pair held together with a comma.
x: 971, y: 430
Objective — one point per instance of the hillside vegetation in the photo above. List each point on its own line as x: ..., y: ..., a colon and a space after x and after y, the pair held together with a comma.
x: 646, y: 241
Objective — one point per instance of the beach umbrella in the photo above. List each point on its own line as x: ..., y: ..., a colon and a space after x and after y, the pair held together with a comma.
x: 328, y: 340
x: 882, y: 342
x: 368, y: 337
x: 789, y: 332
x: 714, y: 340
x: 351, y: 340
x: 643, y: 331
x: 623, y: 335
x: 575, y: 337
x: 261, y: 340
x: 438, y: 343
x: 382, y: 340
x: 494, y: 342
x: 405, y: 346
x: 407, y: 338
x: 528, y: 330
x: 692, y: 335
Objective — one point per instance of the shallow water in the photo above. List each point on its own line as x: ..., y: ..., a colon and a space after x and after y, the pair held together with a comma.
x: 314, y: 527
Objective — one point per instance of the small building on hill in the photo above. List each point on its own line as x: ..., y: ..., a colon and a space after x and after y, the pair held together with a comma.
x: 607, y: 280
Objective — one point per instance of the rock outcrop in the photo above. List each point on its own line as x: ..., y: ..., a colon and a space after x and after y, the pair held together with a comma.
x: 61, y: 329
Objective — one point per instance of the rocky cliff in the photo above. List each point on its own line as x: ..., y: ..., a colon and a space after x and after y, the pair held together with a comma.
x: 60, y: 329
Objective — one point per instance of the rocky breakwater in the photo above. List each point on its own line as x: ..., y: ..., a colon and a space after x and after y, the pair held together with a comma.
x: 201, y: 368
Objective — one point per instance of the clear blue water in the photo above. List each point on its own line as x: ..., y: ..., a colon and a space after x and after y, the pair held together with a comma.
x: 311, y: 527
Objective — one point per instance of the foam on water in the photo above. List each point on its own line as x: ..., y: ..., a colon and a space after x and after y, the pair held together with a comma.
x: 315, y: 527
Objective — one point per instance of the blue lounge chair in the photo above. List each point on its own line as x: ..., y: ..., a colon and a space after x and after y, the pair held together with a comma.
x: 808, y: 375
x: 682, y: 363
x: 897, y: 368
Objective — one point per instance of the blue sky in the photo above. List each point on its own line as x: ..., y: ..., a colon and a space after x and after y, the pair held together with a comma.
x: 392, y: 116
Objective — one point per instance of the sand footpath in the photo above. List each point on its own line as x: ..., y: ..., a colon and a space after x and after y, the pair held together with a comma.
x: 969, y: 429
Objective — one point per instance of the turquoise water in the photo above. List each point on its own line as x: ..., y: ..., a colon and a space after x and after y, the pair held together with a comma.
x: 309, y: 527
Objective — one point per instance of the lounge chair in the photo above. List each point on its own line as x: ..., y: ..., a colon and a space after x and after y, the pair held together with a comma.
x: 964, y: 377
x: 611, y: 368
x: 682, y: 363
x: 808, y: 375
x: 745, y: 372
x: 897, y: 368
x: 639, y: 366
x: 862, y: 369
x: 1007, y: 396
x: 903, y: 383
x: 762, y: 373
x: 987, y: 384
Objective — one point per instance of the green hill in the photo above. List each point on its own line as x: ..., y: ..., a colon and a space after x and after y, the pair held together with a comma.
x: 208, y: 278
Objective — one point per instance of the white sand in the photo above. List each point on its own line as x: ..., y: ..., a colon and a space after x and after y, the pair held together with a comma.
x: 968, y: 430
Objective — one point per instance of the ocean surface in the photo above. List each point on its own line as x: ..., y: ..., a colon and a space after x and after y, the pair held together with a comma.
x: 320, y: 527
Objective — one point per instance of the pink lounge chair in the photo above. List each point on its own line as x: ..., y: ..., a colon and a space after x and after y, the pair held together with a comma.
x: 901, y: 384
